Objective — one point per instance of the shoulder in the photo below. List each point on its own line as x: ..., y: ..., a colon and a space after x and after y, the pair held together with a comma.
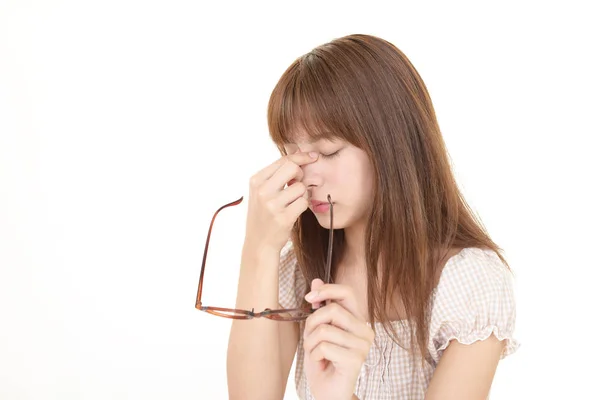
x: 473, y: 299
x: 474, y: 270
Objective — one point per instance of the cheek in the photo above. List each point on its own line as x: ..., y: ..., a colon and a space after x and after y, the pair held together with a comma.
x: 355, y: 175
x: 352, y: 185
x: 361, y: 182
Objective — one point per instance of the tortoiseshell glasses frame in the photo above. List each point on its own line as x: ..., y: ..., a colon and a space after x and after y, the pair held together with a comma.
x: 295, y: 314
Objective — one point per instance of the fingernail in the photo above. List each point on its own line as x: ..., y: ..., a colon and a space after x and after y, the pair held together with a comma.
x: 313, y: 154
x: 311, y: 296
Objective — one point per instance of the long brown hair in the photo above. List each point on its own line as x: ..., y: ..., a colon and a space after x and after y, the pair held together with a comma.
x: 364, y: 90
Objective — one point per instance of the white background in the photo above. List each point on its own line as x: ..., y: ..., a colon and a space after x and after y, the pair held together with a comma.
x: 125, y: 124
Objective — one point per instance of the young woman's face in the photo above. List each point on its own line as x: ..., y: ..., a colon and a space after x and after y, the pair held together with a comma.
x: 342, y: 171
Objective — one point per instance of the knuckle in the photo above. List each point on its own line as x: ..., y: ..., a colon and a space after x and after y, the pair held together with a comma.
x: 322, y: 329
x: 309, y: 322
x: 270, y: 205
x: 334, y: 308
x: 306, y: 344
x: 315, y: 354
x: 305, y: 333
x: 323, y: 346
x: 262, y: 193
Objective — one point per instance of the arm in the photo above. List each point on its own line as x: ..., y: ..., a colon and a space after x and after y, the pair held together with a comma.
x: 260, y: 351
x: 465, y: 371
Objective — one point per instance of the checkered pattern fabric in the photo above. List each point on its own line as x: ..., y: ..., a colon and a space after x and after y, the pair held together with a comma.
x: 474, y: 299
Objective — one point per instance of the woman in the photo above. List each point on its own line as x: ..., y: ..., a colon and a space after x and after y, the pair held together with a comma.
x: 420, y: 301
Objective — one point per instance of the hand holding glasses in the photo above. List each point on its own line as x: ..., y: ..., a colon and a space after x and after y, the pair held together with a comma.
x: 296, y: 314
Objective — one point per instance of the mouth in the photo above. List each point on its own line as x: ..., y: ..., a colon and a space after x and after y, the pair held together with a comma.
x: 320, y: 206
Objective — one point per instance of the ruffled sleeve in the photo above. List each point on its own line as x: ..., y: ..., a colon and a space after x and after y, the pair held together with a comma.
x: 473, y: 300
x: 292, y: 286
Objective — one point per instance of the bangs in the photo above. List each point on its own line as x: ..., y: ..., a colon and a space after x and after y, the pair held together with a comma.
x: 303, y: 107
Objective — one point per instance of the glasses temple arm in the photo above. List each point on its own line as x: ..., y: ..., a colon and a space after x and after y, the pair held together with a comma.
x: 330, y: 248
x: 201, y: 281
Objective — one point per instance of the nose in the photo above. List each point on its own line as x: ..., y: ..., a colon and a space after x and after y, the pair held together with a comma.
x: 313, y: 175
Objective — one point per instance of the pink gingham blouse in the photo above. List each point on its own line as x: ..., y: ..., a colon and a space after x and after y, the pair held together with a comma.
x: 474, y: 298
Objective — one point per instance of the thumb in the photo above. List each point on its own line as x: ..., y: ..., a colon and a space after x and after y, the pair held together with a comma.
x: 316, y: 284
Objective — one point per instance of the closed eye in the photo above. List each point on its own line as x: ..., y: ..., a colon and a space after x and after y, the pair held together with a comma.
x: 331, y: 155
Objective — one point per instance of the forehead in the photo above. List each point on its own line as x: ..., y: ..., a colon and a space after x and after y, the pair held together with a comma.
x: 306, y: 134
x: 308, y: 143
x: 303, y: 139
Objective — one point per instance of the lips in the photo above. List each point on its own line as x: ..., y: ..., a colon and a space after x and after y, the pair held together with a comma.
x: 316, y: 203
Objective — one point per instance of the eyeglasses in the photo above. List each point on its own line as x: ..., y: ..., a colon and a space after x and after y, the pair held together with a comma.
x: 286, y: 314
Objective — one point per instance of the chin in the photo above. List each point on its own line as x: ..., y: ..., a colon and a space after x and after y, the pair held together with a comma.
x: 323, y: 220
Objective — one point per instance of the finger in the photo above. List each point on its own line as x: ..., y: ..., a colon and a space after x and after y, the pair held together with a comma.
x: 297, y: 158
x: 290, y: 183
x: 337, y: 336
x: 315, y: 285
x: 337, y: 315
x: 289, y: 171
x: 297, y: 207
x: 338, y: 355
x: 288, y: 195
x: 342, y: 294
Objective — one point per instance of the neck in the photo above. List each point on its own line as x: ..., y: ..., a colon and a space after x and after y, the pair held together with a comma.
x: 354, y: 253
